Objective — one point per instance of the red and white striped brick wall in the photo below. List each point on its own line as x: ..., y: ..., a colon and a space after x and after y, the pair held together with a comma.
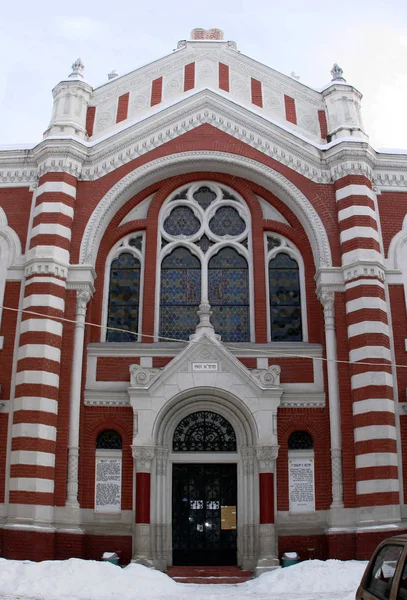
x: 369, y: 342
x: 34, y: 433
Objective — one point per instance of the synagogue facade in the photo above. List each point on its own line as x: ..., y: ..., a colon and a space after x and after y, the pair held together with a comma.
x: 203, y: 271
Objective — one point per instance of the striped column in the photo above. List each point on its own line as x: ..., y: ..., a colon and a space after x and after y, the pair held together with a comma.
x: 34, y: 433
x: 267, y: 558
x: 368, y: 333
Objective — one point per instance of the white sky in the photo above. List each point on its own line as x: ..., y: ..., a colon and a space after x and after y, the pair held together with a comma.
x: 40, y: 40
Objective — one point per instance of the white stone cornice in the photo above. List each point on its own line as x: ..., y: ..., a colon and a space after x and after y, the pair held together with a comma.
x: 60, y: 155
x: 232, y: 164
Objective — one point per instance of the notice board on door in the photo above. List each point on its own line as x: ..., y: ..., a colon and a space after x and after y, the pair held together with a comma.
x: 228, y: 517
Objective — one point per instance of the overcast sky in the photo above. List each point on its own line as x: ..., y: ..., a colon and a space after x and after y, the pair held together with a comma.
x: 40, y: 40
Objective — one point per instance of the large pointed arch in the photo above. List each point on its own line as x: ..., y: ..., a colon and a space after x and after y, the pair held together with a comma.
x: 188, y: 162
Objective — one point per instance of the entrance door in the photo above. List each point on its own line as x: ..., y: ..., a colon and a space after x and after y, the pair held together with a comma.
x: 204, y: 511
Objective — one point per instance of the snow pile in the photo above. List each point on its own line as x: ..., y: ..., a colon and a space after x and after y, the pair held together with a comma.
x: 81, y: 580
x: 310, y: 576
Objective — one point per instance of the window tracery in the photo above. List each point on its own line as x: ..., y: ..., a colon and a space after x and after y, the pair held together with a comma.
x: 213, y: 224
x: 204, y: 431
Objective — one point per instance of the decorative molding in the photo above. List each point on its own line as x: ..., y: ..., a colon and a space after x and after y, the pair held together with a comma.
x: 267, y: 455
x: 161, y: 455
x: 148, y: 173
x: 142, y: 376
x: 248, y: 454
x: 143, y: 456
x: 303, y: 400
x: 45, y: 266
x: 268, y: 378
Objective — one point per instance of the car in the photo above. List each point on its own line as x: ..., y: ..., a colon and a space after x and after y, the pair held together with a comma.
x: 385, y: 577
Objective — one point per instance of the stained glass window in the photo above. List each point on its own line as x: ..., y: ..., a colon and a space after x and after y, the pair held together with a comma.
x: 109, y: 440
x: 204, y: 196
x: 300, y: 440
x: 227, y: 221
x: 181, y: 221
x: 204, y: 243
x: 180, y: 294
x: 285, y: 301
x: 124, y: 290
x: 204, y: 431
x: 228, y: 294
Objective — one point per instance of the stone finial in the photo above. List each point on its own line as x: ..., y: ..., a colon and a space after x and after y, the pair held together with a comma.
x: 112, y: 74
x: 204, y: 325
x: 337, y: 73
x: 206, y: 34
x: 77, y: 69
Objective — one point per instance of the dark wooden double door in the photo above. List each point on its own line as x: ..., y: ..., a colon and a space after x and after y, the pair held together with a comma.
x: 204, y: 511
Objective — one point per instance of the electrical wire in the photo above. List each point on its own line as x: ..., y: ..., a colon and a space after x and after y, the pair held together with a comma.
x: 239, y: 349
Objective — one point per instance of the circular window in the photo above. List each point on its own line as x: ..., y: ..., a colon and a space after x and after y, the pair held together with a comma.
x: 227, y: 221
x: 181, y: 221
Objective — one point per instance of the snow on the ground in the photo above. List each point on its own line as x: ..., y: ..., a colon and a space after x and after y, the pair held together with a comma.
x: 76, y: 579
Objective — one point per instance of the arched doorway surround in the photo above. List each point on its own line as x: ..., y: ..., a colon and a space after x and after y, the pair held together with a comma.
x: 233, y: 410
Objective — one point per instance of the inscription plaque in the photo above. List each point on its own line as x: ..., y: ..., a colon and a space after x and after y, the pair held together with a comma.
x: 108, y: 485
x: 301, y: 484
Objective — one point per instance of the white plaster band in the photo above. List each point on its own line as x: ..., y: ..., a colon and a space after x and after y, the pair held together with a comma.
x: 37, y: 378
x: 31, y: 484
x: 29, y: 457
x: 54, y: 207
x: 356, y: 211
x: 367, y: 327
x: 44, y: 300
x: 365, y: 281
x: 376, y: 459
x: 370, y: 352
x: 59, y: 255
x: 369, y: 378
x: 51, y: 229
x: 39, y: 279
x: 39, y: 351
x: 360, y: 255
x: 56, y: 187
x: 353, y: 233
x: 44, y: 325
x: 34, y: 430
x: 36, y: 403
x: 354, y: 190
x: 377, y: 486
x: 366, y: 302
x: 362, y: 407
x: 375, y: 432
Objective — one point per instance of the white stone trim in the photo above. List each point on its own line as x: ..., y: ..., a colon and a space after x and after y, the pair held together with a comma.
x: 368, y: 352
x: 186, y: 162
x: 354, y: 190
x: 368, y: 327
x: 35, y: 430
x: 44, y: 300
x: 31, y: 484
x: 375, y: 432
x: 51, y: 229
x: 36, y: 403
x: 358, y: 232
x: 373, y: 405
x: 39, y: 351
x: 54, y: 207
x: 377, y: 486
x: 376, y: 282
x: 47, y: 325
x: 356, y: 211
x: 376, y: 459
x: 56, y: 187
x: 371, y: 378
x: 30, y: 457
x: 366, y: 302
x: 39, y: 279
x: 10, y: 252
x: 355, y: 256
x: 37, y: 377
x: 53, y: 253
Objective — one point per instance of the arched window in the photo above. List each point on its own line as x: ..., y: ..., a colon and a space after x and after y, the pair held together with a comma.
x: 180, y: 294
x: 213, y: 225
x: 108, y: 472
x: 109, y: 440
x: 123, y: 279
x: 300, y: 440
x: 228, y: 294
x: 285, y: 309
x: 204, y: 431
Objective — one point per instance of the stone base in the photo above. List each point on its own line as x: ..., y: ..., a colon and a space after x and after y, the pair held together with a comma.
x: 146, y: 562
x: 266, y: 564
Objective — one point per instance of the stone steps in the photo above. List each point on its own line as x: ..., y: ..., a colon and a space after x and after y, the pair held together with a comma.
x: 209, y: 575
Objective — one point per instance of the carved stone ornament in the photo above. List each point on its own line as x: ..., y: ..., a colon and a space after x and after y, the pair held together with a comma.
x: 141, y: 376
x: 248, y: 453
x: 77, y: 69
x: 143, y: 455
x: 268, y: 378
x: 337, y: 73
x: 266, y: 455
x: 161, y: 454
